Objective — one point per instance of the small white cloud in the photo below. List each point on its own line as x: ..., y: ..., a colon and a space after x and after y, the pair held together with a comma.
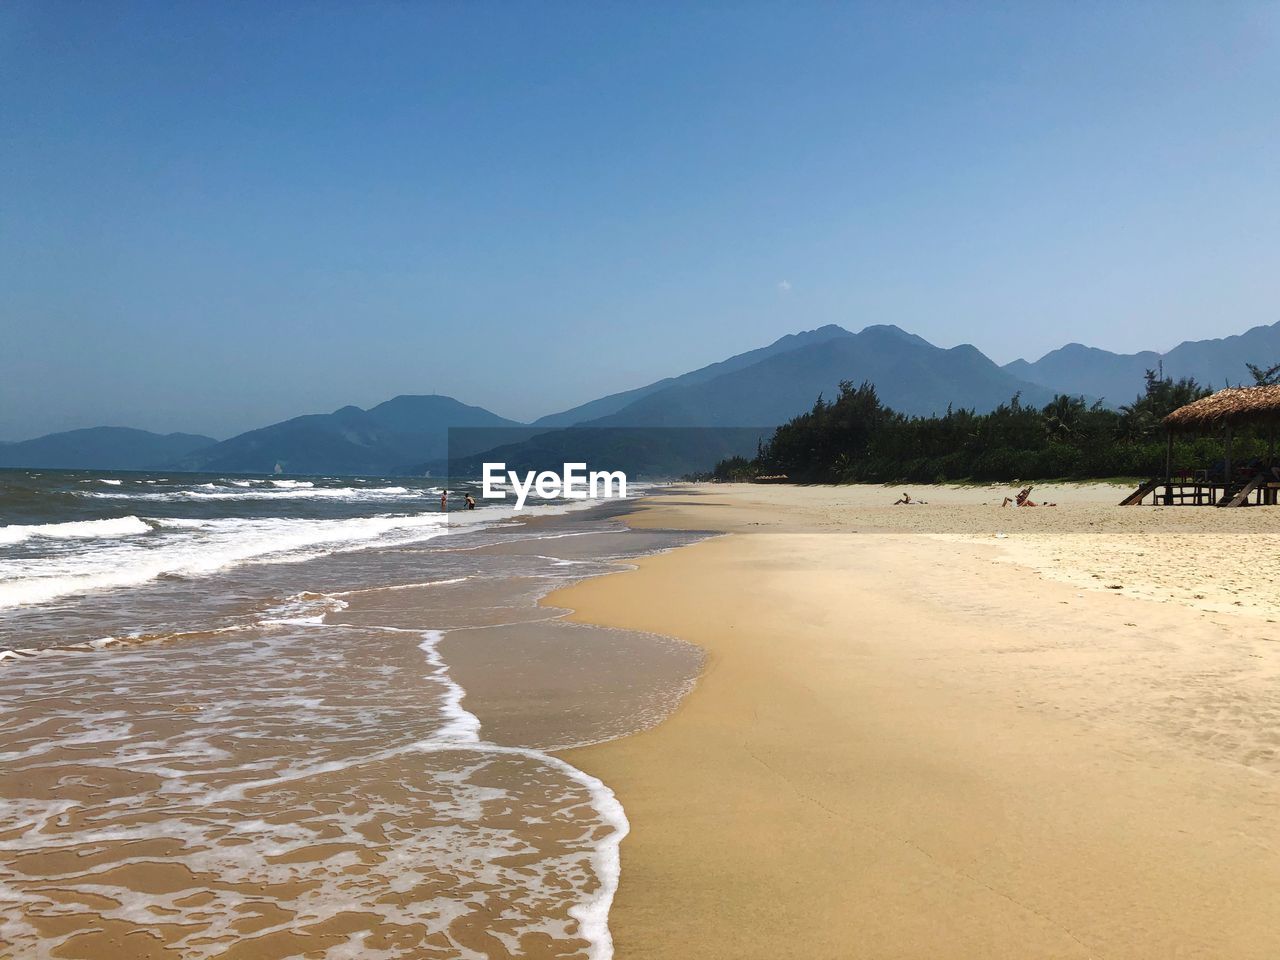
x: 784, y: 286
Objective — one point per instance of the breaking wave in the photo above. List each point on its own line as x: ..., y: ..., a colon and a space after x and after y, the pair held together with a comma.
x: 80, y: 529
x: 191, y: 547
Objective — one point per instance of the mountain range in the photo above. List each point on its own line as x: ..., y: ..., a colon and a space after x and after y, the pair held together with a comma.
x: 383, y: 440
x: 1116, y: 378
x: 758, y: 389
x: 102, y: 448
x: 911, y: 375
x: 606, y: 406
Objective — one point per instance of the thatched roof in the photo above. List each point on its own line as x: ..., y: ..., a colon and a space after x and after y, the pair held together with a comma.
x: 1235, y: 405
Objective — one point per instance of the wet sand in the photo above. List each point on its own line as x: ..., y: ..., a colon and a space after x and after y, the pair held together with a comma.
x: 938, y: 742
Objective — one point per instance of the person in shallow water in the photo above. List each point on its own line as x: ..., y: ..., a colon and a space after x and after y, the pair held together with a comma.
x: 471, y: 503
x: 444, y: 500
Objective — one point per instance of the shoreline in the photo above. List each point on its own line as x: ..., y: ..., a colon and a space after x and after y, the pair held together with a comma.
x: 901, y: 746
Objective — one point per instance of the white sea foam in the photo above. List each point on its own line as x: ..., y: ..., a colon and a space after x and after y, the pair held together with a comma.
x: 460, y: 726
x: 304, y: 609
x: 212, y: 491
x: 196, y: 756
x: 113, y: 483
x: 199, y: 547
x: 462, y: 730
x: 404, y: 586
x: 79, y: 529
x: 107, y: 643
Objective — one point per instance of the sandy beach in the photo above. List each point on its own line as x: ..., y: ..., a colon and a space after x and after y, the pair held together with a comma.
x: 951, y: 730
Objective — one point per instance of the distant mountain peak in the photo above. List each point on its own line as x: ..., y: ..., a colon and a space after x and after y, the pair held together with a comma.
x: 1118, y: 377
x: 889, y: 330
x: 607, y: 406
x: 418, y: 398
x: 386, y: 439
x: 424, y: 401
x: 912, y: 376
x: 790, y: 341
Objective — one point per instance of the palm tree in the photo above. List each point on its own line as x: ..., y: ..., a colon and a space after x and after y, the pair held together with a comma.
x: 1062, y: 416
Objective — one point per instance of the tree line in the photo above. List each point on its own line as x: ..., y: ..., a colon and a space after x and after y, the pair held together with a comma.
x: 856, y: 438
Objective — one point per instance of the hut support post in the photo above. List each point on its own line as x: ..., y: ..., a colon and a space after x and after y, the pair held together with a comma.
x: 1269, y: 495
x: 1226, y: 465
x: 1168, y: 466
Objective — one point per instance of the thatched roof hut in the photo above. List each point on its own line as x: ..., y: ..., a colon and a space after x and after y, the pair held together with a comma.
x: 1230, y: 408
x: 1235, y: 406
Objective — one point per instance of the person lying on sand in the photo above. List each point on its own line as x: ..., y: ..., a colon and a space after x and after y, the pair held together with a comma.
x: 1023, y: 499
x: 906, y: 498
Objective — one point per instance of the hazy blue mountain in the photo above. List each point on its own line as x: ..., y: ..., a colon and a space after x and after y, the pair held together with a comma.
x: 1220, y: 363
x: 605, y: 406
x: 911, y: 375
x: 641, y: 452
x: 1114, y: 378
x: 1118, y: 377
x: 383, y: 440
x: 759, y: 388
x: 101, y: 448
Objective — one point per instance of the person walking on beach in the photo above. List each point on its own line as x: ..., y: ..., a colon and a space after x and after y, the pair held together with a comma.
x: 444, y: 501
x: 471, y: 503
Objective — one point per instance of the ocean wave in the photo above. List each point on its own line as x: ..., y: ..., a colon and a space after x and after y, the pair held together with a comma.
x: 9, y: 654
x: 79, y: 529
x: 210, y: 491
x: 282, y: 484
x: 192, y: 548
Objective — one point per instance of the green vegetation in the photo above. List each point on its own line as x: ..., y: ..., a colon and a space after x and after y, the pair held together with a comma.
x: 856, y: 438
x: 1269, y: 377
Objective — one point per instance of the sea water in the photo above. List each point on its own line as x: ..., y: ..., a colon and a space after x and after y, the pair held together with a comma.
x: 232, y: 721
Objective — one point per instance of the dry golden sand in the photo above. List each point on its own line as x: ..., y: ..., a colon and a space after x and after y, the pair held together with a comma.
x: 908, y: 743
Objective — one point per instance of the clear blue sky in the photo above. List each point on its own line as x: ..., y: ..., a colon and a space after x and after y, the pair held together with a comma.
x: 217, y: 215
